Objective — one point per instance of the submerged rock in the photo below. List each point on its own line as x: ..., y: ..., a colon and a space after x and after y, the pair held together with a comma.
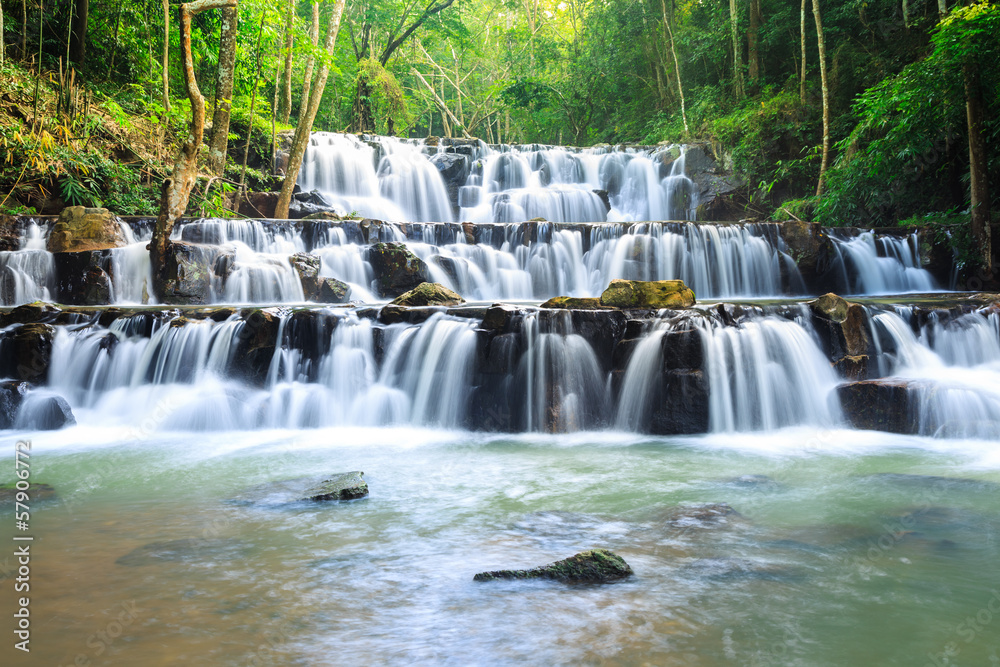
x: 45, y: 413
x: 428, y: 294
x: 742, y: 568
x: 192, y: 549
x: 648, y: 294
x: 396, y: 269
x: 342, y: 486
x: 346, y: 486
x: 37, y: 492
x: 12, y: 393
x: 80, y: 228
x: 700, y: 516
x: 598, y: 566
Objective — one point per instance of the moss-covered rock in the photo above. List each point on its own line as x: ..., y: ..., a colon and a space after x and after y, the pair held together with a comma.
x: 428, y: 294
x: 80, y: 228
x: 598, y: 566
x: 575, y: 303
x: 648, y: 294
x: 316, y: 288
x: 831, y: 306
x: 346, y: 486
x: 396, y: 269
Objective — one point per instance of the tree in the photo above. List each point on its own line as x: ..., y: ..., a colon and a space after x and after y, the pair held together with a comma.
x: 223, y: 91
x: 826, y: 97
x: 166, y: 56
x: 176, y: 190
x: 377, y: 19
x: 802, y: 68
x: 285, y: 101
x: 81, y: 15
x: 304, y: 126
x: 737, y: 52
x: 753, y: 43
x: 311, y: 60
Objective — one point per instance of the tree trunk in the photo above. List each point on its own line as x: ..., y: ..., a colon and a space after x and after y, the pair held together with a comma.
x: 979, y: 181
x: 753, y: 40
x: 826, y: 97
x: 219, y: 141
x: 78, y: 49
x: 22, y: 50
x: 285, y: 102
x: 737, y: 54
x: 166, y: 56
x: 802, y: 72
x: 253, y: 107
x: 942, y: 7
x: 304, y: 126
x: 311, y: 61
x: 677, y: 66
x: 906, y: 14
x: 177, y: 189
x: 2, y: 52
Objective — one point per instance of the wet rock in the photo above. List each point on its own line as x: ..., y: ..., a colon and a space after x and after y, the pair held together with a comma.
x: 342, y: 486
x: 10, y: 233
x: 37, y: 311
x: 190, y: 269
x: 82, y: 278
x: 12, y: 393
x: 682, y: 348
x: 809, y: 247
x: 469, y: 230
x: 882, y: 405
x: 428, y: 294
x: 396, y: 269
x: 454, y: 169
x: 251, y: 359
x: 80, y: 228
x: 179, y: 551
x: 755, y: 482
x: 401, y: 314
x: 27, y: 352
x: 700, y: 516
x: 498, y: 317
x: 37, y: 492
x: 45, y: 412
x: 304, y: 204
x: 648, y: 294
x: 327, y: 215
x: 853, y: 368
x: 684, y: 408
x: 346, y: 486
x: 598, y: 566
x: 605, y: 199
x: 316, y: 288
x: 842, y: 328
x: 575, y: 303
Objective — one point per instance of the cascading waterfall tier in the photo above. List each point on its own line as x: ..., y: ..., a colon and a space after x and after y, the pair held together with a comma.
x: 724, y: 368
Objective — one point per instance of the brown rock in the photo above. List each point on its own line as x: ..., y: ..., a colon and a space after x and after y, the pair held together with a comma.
x: 80, y: 228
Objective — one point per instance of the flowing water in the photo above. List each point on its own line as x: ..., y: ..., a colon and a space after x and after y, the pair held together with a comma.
x: 767, y: 531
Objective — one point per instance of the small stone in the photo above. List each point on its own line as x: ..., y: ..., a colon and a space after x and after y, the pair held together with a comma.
x: 347, y: 486
x: 598, y: 566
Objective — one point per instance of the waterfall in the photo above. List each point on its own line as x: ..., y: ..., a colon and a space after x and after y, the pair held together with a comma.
x: 954, y: 366
x: 27, y: 274
x: 870, y: 264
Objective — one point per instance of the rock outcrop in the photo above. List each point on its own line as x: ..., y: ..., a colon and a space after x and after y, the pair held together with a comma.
x: 598, y: 566
x: 345, y: 486
x: 397, y: 270
x: 647, y: 294
x: 80, y: 228
x: 316, y: 288
x: 428, y: 294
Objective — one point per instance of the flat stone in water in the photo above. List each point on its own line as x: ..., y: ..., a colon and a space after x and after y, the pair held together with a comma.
x: 598, y: 566
x: 36, y: 493
x: 343, y: 486
x: 178, y: 551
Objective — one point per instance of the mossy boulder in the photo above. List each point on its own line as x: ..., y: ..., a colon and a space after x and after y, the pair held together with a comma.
x: 831, y: 307
x: 396, y: 269
x: 648, y: 294
x: 346, y: 486
x: 428, y: 294
x: 80, y: 228
x: 575, y: 303
x: 598, y: 566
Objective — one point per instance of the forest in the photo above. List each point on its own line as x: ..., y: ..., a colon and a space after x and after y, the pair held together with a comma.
x: 862, y: 112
